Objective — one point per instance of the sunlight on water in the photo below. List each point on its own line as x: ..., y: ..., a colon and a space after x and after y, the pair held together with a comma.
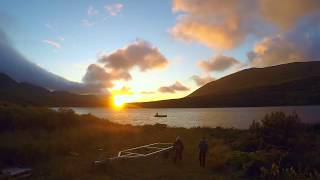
x: 203, y: 117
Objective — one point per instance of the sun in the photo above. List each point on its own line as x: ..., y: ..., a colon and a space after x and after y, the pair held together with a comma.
x: 122, y: 96
x: 119, y: 100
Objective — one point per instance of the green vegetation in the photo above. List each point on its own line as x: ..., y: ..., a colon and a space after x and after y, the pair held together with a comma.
x: 62, y: 145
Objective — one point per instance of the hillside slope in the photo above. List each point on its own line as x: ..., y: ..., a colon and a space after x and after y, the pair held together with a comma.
x: 260, y: 77
x: 25, y: 93
x: 282, y: 85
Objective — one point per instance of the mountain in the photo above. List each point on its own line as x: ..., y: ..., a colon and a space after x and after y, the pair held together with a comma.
x: 282, y: 85
x: 25, y: 93
x: 260, y: 77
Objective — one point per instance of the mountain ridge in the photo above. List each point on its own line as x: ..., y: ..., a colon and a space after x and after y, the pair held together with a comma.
x: 256, y: 77
x: 282, y: 85
x: 30, y: 94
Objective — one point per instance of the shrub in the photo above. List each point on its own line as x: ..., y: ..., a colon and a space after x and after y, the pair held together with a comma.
x: 277, y: 129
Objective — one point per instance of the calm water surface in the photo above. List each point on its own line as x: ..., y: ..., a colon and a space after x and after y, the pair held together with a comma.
x: 202, y: 117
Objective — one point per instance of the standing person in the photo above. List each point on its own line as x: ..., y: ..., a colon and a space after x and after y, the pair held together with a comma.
x: 203, y: 149
x: 178, y: 148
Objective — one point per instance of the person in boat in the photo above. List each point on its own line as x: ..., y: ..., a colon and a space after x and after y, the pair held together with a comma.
x: 178, y: 148
x: 203, y: 150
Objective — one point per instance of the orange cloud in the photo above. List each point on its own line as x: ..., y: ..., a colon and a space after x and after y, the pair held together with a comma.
x: 140, y: 54
x: 216, y: 24
x: 277, y: 50
x: 301, y: 43
x: 218, y: 63
x: 200, y: 81
x: 286, y: 13
x: 226, y: 24
x: 177, y: 86
x: 117, y: 65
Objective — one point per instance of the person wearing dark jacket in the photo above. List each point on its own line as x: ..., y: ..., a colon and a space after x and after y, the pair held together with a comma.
x: 203, y: 149
x: 178, y: 148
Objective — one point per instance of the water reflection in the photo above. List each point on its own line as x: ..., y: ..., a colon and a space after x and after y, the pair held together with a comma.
x: 203, y: 117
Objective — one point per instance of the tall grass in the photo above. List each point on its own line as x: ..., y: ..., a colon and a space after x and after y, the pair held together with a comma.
x: 62, y: 145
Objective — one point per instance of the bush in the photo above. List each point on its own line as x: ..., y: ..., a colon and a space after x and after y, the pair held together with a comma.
x: 277, y: 130
x: 278, y: 144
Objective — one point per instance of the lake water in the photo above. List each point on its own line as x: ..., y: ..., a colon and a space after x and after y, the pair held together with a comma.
x: 202, y: 117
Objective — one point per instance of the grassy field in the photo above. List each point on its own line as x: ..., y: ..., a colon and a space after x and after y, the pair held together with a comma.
x: 63, y: 145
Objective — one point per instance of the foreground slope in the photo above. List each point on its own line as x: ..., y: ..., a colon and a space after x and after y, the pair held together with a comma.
x: 62, y: 145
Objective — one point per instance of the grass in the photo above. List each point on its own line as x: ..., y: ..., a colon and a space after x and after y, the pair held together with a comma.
x: 63, y: 145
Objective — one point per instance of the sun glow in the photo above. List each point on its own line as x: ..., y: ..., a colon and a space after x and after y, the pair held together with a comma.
x: 119, y: 100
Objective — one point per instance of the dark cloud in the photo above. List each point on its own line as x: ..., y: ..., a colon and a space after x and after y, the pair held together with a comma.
x: 301, y: 43
x: 97, y: 76
x: 21, y: 69
x: 200, y: 81
x: 177, y: 86
x: 218, y: 63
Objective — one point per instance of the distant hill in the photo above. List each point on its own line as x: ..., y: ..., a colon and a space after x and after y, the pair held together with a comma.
x: 287, y: 84
x: 25, y: 93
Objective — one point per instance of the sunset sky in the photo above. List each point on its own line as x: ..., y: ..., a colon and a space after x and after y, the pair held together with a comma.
x: 153, y: 50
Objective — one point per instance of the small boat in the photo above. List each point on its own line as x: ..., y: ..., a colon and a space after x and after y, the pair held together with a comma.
x: 160, y: 115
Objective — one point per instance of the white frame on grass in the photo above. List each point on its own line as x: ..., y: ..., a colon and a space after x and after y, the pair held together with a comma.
x: 129, y: 153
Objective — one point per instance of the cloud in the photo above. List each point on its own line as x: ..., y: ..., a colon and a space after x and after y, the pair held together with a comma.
x: 216, y: 24
x: 114, y: 9
x: 117, y: 65
x: 147, y: 92
x: 177, y: 86
x: 52, y: 43
x: 200, y: 81
x: 124, y: 90
x: 218, y: 63
x: 87, y: 23
x: 18, y: 67
x: 226, y: 24
x: 286, y: 13
x: 92, y: 11
x: 97, y: 76
x: 51, y: 27
x: 61, y: 38
x: 301, y: 43
x: 139, y: 54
